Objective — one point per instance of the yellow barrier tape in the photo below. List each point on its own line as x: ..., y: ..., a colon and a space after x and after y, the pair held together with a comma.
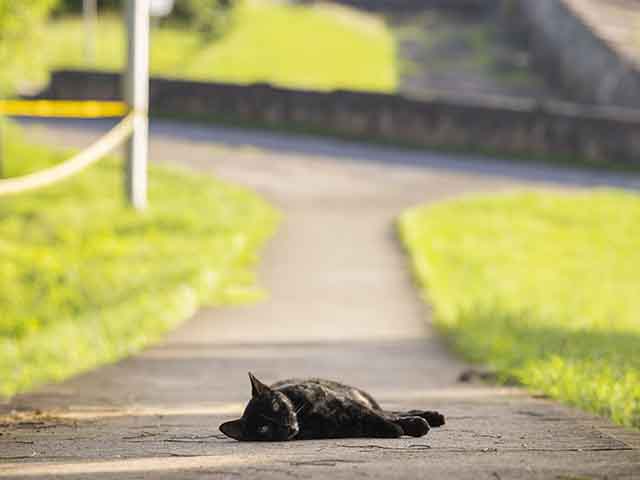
x: 63, y: 108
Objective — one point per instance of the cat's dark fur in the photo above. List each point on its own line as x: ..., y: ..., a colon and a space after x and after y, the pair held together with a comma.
x: 317, y: 408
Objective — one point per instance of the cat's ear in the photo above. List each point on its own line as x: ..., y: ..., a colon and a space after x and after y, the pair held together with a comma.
x: 257, y: 387
x: 233, y: 429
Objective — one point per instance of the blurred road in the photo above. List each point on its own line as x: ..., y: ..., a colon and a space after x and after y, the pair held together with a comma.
x: 342, y: 306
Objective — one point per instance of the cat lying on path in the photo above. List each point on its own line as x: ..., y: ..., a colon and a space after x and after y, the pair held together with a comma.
x: 316, y: 408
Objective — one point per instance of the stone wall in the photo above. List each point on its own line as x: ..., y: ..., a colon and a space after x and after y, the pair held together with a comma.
x: 475, y: 123
x: 576, y: 57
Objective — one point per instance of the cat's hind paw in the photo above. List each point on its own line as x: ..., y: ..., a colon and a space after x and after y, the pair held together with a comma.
x: 435, y: 419
x: 414, y: 426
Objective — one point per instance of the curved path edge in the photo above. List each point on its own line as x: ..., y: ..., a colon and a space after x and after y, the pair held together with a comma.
x: 343, y: 306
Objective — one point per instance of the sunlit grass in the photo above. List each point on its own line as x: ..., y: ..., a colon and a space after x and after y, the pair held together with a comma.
x: 85, y: 280
x: 543, y: 287
x: 319, y: 47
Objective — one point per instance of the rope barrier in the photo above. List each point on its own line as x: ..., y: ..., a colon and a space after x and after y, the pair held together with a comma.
x: 78, y: 162
x: 63, y: 108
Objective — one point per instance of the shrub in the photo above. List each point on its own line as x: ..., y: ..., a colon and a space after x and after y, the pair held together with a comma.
x: 20, y: 32
x: 209, y: 17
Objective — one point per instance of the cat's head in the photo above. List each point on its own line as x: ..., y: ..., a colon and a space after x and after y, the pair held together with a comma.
x: 269, y: 416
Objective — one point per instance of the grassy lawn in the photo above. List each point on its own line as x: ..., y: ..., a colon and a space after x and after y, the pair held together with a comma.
x: 542, y: 287
x: 85, y: 280
x: 320, y: 47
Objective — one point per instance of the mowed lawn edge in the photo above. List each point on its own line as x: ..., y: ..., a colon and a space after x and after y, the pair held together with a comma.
x: 540, y: 286
x: 85, y: 280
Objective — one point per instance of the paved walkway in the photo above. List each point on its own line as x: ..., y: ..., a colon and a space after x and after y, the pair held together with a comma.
x: 342, y: 306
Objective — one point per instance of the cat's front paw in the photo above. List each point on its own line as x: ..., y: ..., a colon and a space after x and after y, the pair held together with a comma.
x: 414, y: 426
x: 435, y: 419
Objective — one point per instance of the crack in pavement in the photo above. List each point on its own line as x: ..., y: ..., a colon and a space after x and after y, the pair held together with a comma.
x: 322, y: 462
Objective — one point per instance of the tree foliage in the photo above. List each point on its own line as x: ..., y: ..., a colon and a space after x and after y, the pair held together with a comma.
x: 209, y: 17
x: 212, y: 18
x: 20, y: 32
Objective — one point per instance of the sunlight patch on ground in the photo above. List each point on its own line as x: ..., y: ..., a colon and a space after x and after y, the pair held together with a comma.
x: 151, y: 464
x: 475, y: 392
x: 224, y: 353
x: 96, y: 413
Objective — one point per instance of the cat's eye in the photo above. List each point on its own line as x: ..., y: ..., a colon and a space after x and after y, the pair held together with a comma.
x: 264, y: 429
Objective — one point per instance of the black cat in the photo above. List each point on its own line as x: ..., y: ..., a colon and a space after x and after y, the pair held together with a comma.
x: 316, y: 408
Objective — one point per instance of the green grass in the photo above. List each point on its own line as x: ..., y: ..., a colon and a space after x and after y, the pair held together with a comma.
x: 542, y: 286
x: 319, y: 47
x: 85, y: 280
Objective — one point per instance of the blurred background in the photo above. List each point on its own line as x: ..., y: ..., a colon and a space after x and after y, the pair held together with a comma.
x: 550, y: 294
x: 501, y: 47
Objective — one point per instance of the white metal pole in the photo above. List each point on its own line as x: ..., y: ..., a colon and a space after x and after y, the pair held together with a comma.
x: 90, y: 15
x: 2, y: 150
x: 137, y: 96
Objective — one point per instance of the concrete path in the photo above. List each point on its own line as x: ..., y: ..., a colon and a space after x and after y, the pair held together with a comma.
x: 342, y: 306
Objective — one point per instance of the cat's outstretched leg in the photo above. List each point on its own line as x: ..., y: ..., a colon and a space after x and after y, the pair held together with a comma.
x: 435, y: 419
x: 392, y: 426
x: 377, y: 426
